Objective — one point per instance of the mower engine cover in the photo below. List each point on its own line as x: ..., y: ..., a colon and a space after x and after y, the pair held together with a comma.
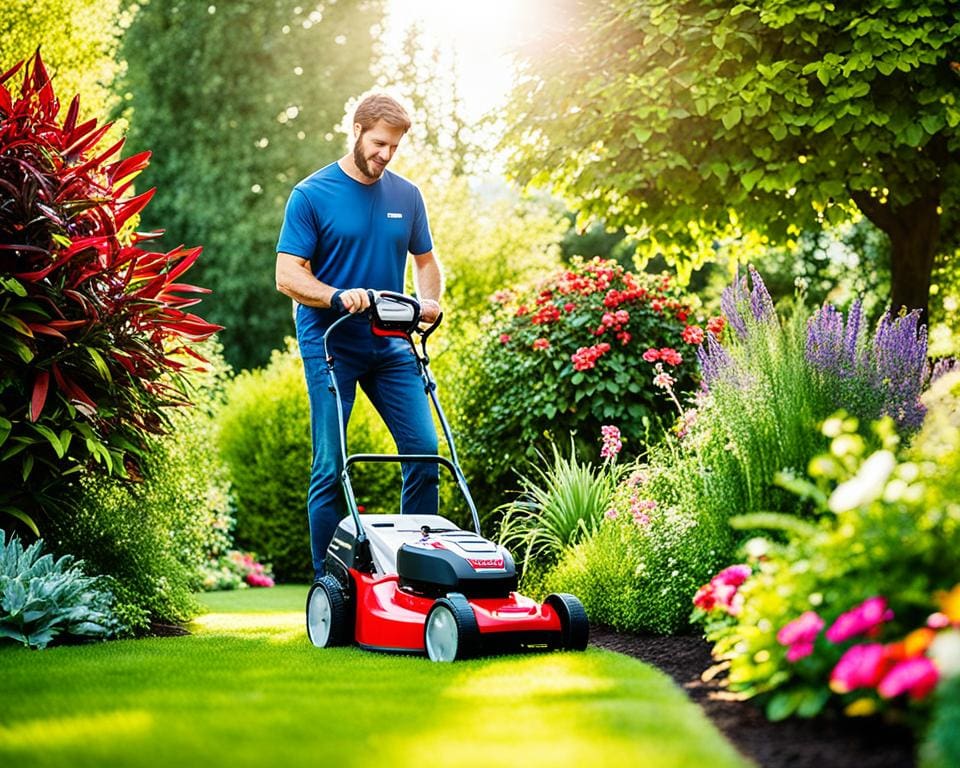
x: 394, y: 312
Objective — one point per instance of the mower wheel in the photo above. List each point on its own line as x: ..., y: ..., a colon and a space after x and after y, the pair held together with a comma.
x: 327, y: 623
x: 450, y: 632
x: 574, y: 626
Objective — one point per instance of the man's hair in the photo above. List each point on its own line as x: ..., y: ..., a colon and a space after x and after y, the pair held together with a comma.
x: 379, y: 106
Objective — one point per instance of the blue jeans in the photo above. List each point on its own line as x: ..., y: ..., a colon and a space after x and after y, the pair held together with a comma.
x: 387, y: 371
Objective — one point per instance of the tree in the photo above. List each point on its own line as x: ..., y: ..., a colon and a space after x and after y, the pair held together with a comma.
x: 78, y: 40
x: 689, y: 122
x: 239, y: 101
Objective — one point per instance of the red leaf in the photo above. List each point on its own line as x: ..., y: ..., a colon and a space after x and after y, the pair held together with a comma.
x: 47, y: 329
x: 40, y: 386
x: 132, y: 206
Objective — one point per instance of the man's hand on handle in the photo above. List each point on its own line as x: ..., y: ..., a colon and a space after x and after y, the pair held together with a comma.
x: 429, y: 310
x: 352, y: 300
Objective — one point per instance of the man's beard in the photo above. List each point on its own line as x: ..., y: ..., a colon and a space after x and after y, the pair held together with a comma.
x: 362, y: 164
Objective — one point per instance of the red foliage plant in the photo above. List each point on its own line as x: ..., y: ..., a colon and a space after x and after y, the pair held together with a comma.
x: 96, y: 336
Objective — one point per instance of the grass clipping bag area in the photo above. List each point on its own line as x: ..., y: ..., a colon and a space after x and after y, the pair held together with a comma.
x: 248, y: 689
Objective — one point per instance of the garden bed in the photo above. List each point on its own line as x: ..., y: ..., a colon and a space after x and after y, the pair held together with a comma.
x: 823, y: 742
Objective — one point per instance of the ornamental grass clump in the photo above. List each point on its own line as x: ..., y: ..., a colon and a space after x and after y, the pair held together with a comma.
x: 95, y: 327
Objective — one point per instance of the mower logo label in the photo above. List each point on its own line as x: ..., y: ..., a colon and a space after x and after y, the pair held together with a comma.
x: 489, y: 564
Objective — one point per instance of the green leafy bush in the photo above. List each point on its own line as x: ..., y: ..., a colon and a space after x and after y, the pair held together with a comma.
x: 42, y: 599
x: 94, y: 325
x: 941, y: 744
x: 567, y: 356
x: 154, y: 535
x: 889, y: 540
x: 265, y: 440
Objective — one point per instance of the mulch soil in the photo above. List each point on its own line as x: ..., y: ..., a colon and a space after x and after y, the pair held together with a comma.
x: 823, y: 742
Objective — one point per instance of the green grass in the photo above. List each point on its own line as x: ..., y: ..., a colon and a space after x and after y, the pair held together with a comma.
x: 247, y: 689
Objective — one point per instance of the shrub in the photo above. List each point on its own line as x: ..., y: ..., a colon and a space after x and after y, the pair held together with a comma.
x: 95, y: 325
x: 265, y: 441
x: 155, y: 534
x: 42, y: 598
x: 566, y: 356
x: 889, y: 545
x: 236, y: 570
x: 638, y: 570
x: 941, y: 745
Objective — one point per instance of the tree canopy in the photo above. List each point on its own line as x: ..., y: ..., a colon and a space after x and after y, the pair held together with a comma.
x: 239, y: 101
x: 688, y: 122
x: 78, y: 40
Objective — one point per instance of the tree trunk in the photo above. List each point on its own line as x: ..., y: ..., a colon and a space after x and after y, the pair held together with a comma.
x: 914, y: 232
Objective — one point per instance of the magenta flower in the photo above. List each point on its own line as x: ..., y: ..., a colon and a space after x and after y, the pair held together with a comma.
x: 917, y: 677
x: 861, y: 666
x: 800, y: 634
x: 734, y: 575
x: 863, y: 619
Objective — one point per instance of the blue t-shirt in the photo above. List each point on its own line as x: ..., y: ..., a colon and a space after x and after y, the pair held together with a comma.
x: 354, y: 235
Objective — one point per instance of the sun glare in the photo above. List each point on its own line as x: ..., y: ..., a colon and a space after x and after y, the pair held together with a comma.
x: 480, y: 36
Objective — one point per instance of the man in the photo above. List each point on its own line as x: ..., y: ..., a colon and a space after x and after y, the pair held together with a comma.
x: 348, y: 228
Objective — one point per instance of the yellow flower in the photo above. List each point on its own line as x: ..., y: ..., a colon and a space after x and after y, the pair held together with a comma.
x: 861, y: 708
x: 950, y: 604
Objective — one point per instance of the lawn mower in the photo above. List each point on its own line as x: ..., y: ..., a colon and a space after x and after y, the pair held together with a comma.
x: 419, y: 583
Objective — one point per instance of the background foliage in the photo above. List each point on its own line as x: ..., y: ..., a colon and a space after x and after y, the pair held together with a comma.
x: 685, y: 122
x: 233, y: 127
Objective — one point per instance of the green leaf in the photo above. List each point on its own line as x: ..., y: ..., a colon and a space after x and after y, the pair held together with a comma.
x: 731, y: 117
x: 51, y: 437
x: 778, y: 131
x: 749, y: 180
x: 781, y: 706
x: 823, y: 75
x: 17, y: 324
x: 5, y: 428
x: 100, y: 364
x: 23, y: 517
x: 14, y: 286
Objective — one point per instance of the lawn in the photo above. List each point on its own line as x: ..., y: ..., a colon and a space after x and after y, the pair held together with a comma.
x: 247, y: 689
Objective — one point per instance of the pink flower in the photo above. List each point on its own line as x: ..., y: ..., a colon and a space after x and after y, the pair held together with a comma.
x: 867, y: 616
x: 800, y: 634
x: 663, y: 379
x: 504, y: 338
x: 651, y: 355
x: 641, y: 518
x: 611, y: 514
x: 612, y: 442
x: 541, y: 343
x: 917, y: 677
x: 861, y: 666
x: 670, y: 356
x: 692, y: 334
x: 734, y: 575
x: 258, y: 580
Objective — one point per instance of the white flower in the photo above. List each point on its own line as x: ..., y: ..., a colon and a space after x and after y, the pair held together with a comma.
x: 945, y: 652
x: 866, y: 485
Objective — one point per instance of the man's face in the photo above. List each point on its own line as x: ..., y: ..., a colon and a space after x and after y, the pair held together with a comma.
x: 374, y: 148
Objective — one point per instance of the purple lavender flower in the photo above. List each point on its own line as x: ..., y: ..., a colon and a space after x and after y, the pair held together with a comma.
x: 943, y: 366
x: 882, y: 377
x: 738, y: 298
x: 714, y: 360
x: 900, y: 346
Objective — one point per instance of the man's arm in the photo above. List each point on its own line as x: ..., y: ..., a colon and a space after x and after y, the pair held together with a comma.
x: 294, y: 279
x: 428, y: 282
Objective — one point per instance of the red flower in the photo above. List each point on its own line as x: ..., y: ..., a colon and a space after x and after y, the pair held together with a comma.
x: 716, y: 325
x: 651, y: 355
x: 504, y: 338
x: 692, y: 334
x: 670, y: 356
x: 541, y: 343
